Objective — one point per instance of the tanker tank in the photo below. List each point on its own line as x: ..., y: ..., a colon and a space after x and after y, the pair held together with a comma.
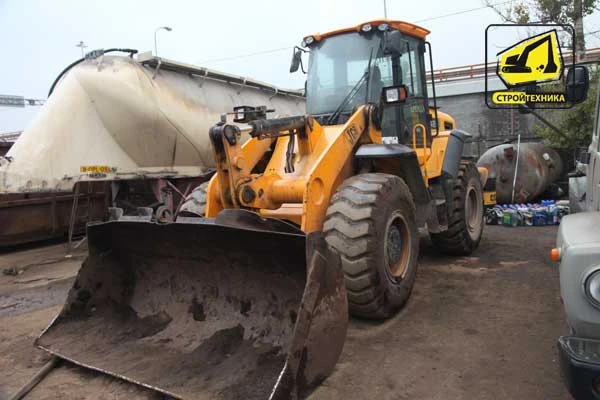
x: 538, y: 166
x: 118, y: 118
x: 123, y: 132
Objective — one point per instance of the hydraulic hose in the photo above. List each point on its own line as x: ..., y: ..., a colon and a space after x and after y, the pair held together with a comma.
x: 89, y: 56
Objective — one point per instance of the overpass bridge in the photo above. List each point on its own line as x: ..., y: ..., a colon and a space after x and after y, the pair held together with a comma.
x: 461, y: 93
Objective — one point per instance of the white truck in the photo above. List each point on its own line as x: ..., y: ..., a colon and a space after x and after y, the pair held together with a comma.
x: 578, y: 250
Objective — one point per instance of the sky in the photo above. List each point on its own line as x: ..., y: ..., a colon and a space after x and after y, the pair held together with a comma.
x: 38, y: 38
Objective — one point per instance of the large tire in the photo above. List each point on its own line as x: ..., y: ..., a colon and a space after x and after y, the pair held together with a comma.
x: 195, y: 202
x: 465, y: 214
x: 371, y: 224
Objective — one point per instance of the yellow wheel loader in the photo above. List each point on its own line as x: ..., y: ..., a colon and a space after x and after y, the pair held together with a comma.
x: 247, y: 294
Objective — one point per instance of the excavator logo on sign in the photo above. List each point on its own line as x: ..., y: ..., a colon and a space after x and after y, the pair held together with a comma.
x: 534, y: 60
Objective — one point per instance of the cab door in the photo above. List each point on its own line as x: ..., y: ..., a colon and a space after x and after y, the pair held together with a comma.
x: 407, y: 69
x: 593, y: 172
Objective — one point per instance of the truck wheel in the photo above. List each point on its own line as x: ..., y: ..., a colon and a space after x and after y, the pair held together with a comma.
x: 465, y: 214
x: 195, y: 202
x: 371, y: 224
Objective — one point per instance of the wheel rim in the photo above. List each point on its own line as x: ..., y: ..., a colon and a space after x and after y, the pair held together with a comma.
x: 473, y: 214
x: 163, y: 215
x: 397, y: 246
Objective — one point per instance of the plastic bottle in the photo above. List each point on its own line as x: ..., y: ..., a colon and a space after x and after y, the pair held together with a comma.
x: 507, y: 217
x: 556, y: 216
x: 516, y: 219
x: 539, y: 216
x: 550, y: 214
x: 527, y: 218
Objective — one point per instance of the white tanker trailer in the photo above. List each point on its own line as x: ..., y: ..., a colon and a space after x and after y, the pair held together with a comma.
x: 139, y: 123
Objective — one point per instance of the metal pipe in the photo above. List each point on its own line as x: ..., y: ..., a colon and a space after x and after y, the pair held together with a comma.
x: 262, y: 126
x: 37, y: 378
x: 435, y: 108
x: 516, y: 168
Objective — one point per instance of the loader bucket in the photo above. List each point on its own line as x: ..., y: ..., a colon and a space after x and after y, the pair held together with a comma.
x: 204, y: 311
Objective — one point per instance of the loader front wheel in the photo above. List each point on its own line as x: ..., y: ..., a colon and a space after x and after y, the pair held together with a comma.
x: 195, y: 202
x: 371, y: 224
x: 465, y: 214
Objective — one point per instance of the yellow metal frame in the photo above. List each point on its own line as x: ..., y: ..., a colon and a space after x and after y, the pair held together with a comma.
x: 322, y: 160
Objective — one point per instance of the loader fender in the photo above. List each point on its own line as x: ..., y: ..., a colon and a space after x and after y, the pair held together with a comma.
x: 407, y: 168
x: 454, y: 152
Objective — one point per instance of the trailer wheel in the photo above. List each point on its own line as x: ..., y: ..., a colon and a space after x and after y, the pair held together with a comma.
x: 162, y: 215
x: 371, y: 224
x: 465, y: 214
x: 195, y: 202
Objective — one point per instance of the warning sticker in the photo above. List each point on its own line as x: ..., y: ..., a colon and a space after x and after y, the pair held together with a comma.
x: 97, y: 169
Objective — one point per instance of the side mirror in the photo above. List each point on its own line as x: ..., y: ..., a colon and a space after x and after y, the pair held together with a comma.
x: 296, y: 60
x: 578, y: 83
x: 394, y: 94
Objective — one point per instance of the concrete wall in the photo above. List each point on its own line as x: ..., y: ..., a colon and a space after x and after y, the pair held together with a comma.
x: 465, y: 101
x: 490, y: 127
x: 473, y: 116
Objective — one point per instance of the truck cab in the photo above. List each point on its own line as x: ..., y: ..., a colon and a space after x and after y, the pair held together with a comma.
x: 578, y: 250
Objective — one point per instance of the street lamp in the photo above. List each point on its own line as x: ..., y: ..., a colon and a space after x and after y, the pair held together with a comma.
x: 166, y: 28
x: 83, y: 46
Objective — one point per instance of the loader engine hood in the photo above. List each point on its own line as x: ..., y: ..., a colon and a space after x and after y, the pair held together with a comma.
x: 116, y: 118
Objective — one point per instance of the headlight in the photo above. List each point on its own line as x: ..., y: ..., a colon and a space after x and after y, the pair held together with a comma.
x: 383, y: 27
x: 592, y: 288
x: 366, y: 28
x: 392, y: 95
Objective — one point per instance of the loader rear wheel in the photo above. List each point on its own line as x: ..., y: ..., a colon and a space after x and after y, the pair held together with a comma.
x: 195, y: 202
x: 371, y: 224
x: 465, y: 214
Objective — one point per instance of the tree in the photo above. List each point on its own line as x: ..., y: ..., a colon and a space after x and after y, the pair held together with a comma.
x: 575, y: 124
x: 549, y: 11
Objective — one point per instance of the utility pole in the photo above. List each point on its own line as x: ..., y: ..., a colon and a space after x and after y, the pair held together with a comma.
x: 385, y: 9
x: 579, y: 35
x: 82, y: 46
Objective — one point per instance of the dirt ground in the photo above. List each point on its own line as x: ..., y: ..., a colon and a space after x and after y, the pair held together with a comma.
x: 479, y: 327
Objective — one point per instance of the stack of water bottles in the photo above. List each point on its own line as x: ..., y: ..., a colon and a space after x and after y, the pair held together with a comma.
x: 548, y: 212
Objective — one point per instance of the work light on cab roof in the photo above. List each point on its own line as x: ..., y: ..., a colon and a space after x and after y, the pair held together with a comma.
x: 368, y: 27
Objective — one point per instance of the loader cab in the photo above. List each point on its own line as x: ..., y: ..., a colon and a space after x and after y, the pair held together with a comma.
x: 352, y: 67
